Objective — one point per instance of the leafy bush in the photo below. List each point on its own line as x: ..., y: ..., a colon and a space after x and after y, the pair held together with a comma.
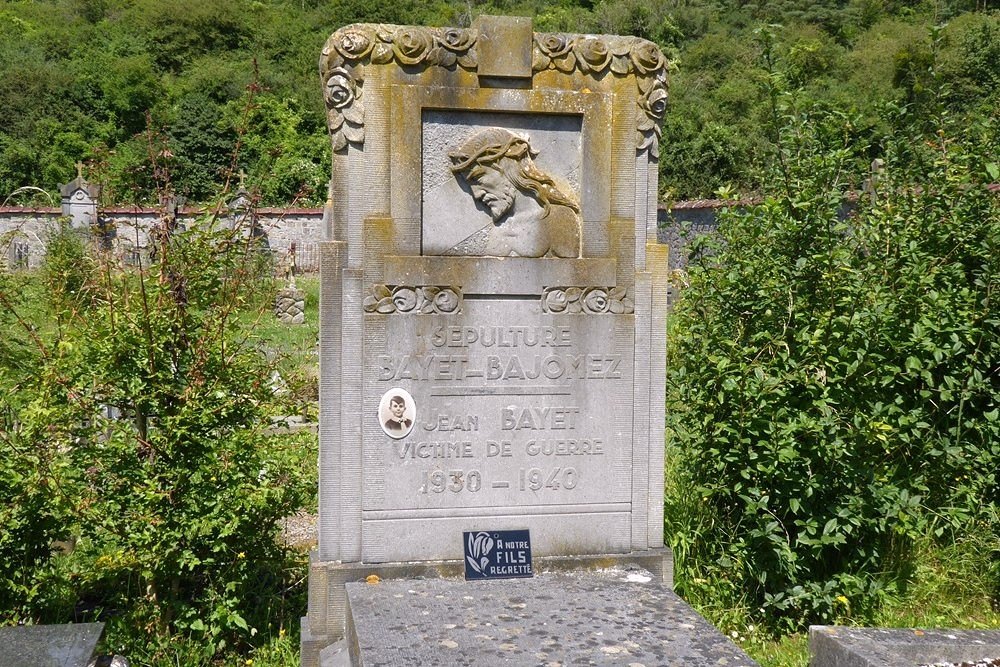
x: 33, y: 507
x: 68, y: 268
x: 150, y: 407
x: 834, y: 383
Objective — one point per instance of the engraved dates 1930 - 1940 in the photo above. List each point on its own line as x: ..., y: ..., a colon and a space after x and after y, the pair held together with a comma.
x: 524, y: 479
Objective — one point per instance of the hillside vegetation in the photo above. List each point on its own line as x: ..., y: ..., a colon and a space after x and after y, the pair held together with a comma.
x: 833, y: 384
x: 203, y: 90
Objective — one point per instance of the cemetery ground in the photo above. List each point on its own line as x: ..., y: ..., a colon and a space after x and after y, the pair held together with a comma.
x: 949, y: 584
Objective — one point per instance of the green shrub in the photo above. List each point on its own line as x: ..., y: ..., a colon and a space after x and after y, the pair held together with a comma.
x: 834, y: 384
x: 34, y: 483
x: 68, y: 267
x: 156, y: 400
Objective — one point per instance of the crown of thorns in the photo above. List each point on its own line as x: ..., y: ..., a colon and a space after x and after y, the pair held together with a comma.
x: 489, y: 146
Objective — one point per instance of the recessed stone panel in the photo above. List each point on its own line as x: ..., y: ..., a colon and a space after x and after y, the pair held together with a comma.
x: 450, y: 212
x: 511, y: 408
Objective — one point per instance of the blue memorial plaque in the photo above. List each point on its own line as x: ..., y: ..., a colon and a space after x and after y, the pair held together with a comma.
x: 497, y: 554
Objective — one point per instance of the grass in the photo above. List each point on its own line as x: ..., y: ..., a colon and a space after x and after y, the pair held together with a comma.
x: 952, y: 585
x: 293, y: 347
x: 296, y: 343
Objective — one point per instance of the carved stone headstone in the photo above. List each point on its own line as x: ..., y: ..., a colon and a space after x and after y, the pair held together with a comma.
x: 79, y: 201
x: 493, y: 301
x: 68, y: 645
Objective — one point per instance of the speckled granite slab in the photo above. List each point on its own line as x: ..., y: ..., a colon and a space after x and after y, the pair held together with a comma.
x: 609, y: 617
x: 837, y: 646
x: 70, y: 645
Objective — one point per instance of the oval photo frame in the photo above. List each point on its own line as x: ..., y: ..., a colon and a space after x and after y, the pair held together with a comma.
x: 397, y: 413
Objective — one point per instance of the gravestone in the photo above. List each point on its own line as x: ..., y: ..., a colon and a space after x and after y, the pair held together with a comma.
x: 605, y: 617
x: 493, y: 302
x: 841, y: 646
x: 79, y: 201
x: 68, y: 645
x: 290, y: 304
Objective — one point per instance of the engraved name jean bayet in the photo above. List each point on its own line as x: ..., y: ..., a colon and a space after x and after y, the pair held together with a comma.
x: 531, y: 216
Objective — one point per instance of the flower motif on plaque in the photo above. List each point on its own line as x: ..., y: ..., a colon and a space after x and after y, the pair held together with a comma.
x: 615, y: 300
x: 428, y: 299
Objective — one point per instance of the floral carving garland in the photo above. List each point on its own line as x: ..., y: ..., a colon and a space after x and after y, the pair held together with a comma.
x: 616, y: 300
x: 622, y: 56
x: 426, y: 300
x: 351, y: 47
x: 348, y: 49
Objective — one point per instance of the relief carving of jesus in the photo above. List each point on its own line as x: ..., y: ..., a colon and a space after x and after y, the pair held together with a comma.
x: 531, y: 215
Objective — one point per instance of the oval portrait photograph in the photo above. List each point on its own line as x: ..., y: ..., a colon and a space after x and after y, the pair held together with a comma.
x: 396, y: 413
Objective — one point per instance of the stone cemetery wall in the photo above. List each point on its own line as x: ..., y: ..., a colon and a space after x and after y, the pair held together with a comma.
x: 23, y: 233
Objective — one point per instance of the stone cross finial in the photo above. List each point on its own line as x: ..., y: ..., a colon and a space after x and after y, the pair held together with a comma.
x: 243, y: 177
x: 79, y: 170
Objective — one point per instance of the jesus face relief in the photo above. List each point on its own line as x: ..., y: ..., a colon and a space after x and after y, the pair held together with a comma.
x: 491, y: 187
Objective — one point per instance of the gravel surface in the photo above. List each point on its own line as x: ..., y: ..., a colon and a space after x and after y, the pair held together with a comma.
x: 979, y: 663
x: 300, y: 530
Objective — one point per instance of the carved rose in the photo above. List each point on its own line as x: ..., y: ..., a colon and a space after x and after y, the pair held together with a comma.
x: 553, y: 50
x: 595, y: 300
x: 647, y: 57
x: 405, y: 299
x: 411, y: 45
x: 446, y: 301
x: 340, y: 89
x: 654, y: 102
x: 554, y: 46
x: 555, y: 301
x: 573, y: 303
x: 593, y: 54
x: 457, y: 40
x: 354, y: 44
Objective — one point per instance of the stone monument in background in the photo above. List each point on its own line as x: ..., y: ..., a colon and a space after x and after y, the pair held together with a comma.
x: 493, y: 301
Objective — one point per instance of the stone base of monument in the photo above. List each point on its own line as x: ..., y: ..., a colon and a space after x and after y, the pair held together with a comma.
x: 837, y: 646
x: 329, y: 613
x: 619, y: 616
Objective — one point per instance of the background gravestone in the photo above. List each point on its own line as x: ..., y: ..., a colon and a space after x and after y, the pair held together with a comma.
x: 79, y: 201
x: 68, y: 645
x: 493, y: 302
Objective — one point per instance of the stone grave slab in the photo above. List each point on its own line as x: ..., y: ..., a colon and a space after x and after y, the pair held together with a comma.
x: 838, y: 646
x: 607, y: 617
x: 70, y: 645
